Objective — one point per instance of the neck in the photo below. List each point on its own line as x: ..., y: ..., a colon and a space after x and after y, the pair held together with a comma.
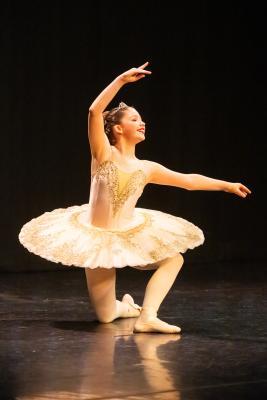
x: 126, y: 150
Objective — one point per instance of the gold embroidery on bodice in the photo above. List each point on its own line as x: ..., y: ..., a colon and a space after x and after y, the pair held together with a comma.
x: 121, y: 184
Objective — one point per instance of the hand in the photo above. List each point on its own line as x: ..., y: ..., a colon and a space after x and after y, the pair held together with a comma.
x: 238, y: 188
x: 134, y: 74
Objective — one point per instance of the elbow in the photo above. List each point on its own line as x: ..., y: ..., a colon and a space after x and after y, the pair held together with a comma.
x: 93, y: 110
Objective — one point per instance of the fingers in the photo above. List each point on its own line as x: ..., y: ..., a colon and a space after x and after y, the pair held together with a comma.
x: 142, y: 71
x: 242, y: 190
x: 144, y: 65
x: 243, y: 193
x: 239, y: 192
x: 140, y: 76
x: 246, y: 189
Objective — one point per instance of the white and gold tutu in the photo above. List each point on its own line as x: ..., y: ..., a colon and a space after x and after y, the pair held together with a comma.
x: 110, y: 231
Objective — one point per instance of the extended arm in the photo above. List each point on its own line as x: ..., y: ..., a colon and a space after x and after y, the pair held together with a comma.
x: 165, y: 176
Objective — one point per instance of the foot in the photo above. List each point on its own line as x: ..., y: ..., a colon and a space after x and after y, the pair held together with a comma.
x: 127, y: 308
x: 148, y: 322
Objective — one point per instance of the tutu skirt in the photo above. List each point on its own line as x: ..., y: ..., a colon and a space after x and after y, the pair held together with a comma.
x: 64, y: 236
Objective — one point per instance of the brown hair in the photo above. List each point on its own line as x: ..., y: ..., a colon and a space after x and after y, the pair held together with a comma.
x: 112, y: 118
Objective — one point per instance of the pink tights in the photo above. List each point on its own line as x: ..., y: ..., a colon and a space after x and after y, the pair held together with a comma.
x: 101, y: 283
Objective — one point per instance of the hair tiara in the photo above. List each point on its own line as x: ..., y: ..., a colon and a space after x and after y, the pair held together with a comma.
x: 116, y: 109
x: 122, y: 105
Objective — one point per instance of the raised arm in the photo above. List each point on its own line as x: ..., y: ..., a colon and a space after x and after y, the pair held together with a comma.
x: 98, y: 140
x: 164, y: 176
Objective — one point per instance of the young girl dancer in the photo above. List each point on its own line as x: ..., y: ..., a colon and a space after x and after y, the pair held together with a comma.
x: 109, y: 232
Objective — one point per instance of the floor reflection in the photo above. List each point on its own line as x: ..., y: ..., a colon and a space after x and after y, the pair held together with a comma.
x: 114, y: 361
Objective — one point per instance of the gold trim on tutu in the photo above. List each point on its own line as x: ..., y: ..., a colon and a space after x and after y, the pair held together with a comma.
x: 63, y: 236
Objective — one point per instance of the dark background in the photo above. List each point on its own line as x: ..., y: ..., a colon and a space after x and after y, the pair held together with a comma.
x: 204, y: 107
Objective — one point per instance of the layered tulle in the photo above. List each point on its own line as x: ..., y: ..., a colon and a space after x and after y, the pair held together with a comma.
x: 64, y: 236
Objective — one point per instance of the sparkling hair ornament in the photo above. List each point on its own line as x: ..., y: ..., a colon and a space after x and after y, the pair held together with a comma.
x: 111, y: 118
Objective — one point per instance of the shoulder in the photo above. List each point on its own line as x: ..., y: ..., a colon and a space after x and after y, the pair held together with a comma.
x: 149, y: 168
x: 150, y: 165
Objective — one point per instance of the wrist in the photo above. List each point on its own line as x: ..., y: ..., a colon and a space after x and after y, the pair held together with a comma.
x: 120, y: 81
x: 226, y: 187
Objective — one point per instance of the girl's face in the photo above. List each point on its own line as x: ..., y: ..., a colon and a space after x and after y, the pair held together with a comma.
x: 132, y: 125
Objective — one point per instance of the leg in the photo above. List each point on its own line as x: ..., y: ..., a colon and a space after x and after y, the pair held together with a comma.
x: 156, y: 290
x: 101, y: 284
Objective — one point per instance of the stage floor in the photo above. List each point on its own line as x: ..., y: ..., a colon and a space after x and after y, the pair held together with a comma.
x: 52, y: 347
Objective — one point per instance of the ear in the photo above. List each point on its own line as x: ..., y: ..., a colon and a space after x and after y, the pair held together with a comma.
x: 117, y: 129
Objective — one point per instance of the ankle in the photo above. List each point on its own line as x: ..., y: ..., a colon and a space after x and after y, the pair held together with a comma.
x: 148, y: 312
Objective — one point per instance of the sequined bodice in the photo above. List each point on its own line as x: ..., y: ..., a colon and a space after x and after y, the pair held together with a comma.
x: 113, y: 195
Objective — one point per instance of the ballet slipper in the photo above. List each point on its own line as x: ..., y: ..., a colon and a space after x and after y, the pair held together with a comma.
x: 148, y: 322
x: 127, y: 298
x: 126, y: 308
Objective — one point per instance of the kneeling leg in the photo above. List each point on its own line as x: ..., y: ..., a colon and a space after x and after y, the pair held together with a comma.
x: 101, y: 284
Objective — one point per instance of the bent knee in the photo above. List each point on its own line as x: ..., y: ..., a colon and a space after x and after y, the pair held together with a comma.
x: 106, y: 317
x: 175, y: 261
x: 105, y: 320
x: 181, y: 257
x: 178, y: 258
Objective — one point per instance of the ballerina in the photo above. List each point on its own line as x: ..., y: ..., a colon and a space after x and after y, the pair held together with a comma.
x: 110, y: 232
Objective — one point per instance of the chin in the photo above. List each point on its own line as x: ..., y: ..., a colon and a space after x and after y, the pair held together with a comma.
x: 140, y: 140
